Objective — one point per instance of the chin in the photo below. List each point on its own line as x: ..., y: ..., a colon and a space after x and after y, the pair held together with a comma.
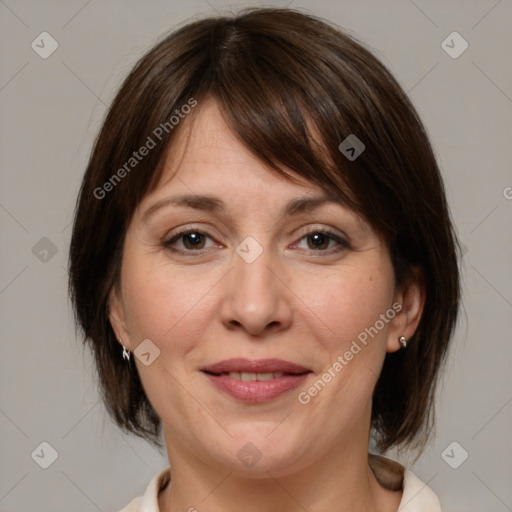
x: 257, y: 453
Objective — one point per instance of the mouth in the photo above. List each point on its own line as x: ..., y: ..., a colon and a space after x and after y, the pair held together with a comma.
x: 250, y: 376
x: 255, y: 381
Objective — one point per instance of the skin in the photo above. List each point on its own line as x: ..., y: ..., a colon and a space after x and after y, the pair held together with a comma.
x: 294, y: 302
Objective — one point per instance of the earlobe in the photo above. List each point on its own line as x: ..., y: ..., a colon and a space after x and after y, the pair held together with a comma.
x: 116, y: 317
x: 411, y: 297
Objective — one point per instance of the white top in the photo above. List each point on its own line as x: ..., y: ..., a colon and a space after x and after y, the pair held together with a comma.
x: 416, y: 497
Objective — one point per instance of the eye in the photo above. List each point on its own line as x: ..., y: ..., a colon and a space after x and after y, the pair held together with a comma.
x: 319, y: 240
x: 191, y: 240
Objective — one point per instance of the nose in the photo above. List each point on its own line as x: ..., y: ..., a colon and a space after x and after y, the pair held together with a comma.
x: 255, y: 297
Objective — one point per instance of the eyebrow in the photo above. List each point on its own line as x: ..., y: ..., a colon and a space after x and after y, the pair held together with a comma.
x: 212, y: 204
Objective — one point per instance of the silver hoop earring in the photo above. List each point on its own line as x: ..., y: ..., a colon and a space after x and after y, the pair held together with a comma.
x: 126, y: 353
x: 403, y: 341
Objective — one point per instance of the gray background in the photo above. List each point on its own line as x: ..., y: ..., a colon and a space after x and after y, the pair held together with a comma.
x: 51, y: 111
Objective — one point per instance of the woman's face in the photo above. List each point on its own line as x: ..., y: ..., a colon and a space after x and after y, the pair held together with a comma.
x: 254, y: 280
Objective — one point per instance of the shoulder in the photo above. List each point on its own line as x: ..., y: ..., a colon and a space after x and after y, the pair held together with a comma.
x: 416, y: 495
x: 148, y: 502
x: 133, y: 506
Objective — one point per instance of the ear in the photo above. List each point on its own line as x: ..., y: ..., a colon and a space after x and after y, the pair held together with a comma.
x: 117, y: 317
x: 411, y: 297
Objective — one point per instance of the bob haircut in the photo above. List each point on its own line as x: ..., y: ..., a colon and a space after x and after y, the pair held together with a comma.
x: 291, y: 87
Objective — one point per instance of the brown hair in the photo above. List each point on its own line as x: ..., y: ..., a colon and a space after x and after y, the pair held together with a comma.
x: 279, y: 77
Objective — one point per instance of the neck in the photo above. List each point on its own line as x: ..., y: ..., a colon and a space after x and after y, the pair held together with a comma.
x: 340, y: 480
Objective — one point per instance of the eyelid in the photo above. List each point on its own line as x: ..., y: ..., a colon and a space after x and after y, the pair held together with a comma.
x: 167, y: 242
x: 340, y: 239
x: 334, y: 234
x: 322, y: 228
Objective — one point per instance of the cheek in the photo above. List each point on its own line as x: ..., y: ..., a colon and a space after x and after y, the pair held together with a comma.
x: 161, y: 303
x: 351, y: 302
x: 354, y: 343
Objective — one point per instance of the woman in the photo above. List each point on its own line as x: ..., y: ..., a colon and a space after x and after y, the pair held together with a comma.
x: 263, y: 224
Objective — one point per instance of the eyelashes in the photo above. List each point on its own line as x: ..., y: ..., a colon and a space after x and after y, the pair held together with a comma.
x: 169, y: 244
x: 192, y: 241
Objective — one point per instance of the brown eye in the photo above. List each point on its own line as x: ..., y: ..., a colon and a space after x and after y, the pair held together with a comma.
x: 324, y: 241
x: 191, y: 240
x: 318, y: 241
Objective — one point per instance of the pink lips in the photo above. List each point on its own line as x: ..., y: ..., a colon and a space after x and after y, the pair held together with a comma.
x: 255, y: 366
x: 255, y: 391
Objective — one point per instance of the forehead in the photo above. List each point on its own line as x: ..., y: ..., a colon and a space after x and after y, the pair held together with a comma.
x: 206, y: 153
x: 207, y: 164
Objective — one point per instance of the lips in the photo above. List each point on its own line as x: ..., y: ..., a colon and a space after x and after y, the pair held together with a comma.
x: 255, y: 381
x: 255, y: 366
